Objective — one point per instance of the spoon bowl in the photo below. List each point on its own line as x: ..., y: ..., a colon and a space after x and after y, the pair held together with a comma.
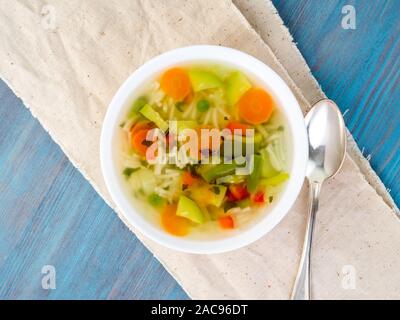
x: 327, y: 140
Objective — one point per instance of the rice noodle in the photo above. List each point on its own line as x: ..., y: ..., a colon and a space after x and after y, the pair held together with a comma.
x: 188, y: 111
x: 223, y: 112
x: 215, y: 118
x: 207, y: 117
x: 262, y: 131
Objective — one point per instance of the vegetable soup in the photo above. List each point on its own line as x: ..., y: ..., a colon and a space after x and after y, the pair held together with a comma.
x: 204, y: 147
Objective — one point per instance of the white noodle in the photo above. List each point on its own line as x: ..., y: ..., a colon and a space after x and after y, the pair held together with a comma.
x: 223, y: 113
x: 263, y: 132
x: 188, y: 111
x: 215, y: 118
x: 207, y: 117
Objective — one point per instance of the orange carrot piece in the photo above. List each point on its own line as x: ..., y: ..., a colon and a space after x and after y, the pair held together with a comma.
x: 173, y: 224
x: 237, y: 192
x: 237, y: 125
x: 140, y: 126
x: 139, y: 143
x: 256, y: 106
x: 226, y: 222
x: 175, y: 82
x: 187, y: 179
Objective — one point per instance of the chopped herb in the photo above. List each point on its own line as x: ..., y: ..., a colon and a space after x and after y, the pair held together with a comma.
x: 128, y: 171
x: 179, y: 105
x: 226, y: 118
x: 270, y: 199
x: 280, y: 128
x: 216, y: 190
x: 122, y: 124
x: 147, y: 143
x: 143, y: 163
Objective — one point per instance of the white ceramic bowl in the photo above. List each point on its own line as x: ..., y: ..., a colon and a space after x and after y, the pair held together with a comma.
x: 268, y: 79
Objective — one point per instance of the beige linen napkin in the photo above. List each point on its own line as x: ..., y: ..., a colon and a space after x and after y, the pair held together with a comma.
x: 66, y: 59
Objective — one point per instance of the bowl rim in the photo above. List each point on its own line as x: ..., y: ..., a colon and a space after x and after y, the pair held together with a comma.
x: 134, y: 218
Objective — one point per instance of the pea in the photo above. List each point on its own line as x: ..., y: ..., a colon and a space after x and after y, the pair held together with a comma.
x: 155, y: 200
x: 203, y: 105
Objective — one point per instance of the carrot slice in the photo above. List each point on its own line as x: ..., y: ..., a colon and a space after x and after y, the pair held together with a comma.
x: 140, y: 126
x: 226, y: 222
x: 187, y: 179
x: 237, y: 125
x: 139, y: 142
x: 173, y: 224
x: 175, y: 82
x: 256, y: 106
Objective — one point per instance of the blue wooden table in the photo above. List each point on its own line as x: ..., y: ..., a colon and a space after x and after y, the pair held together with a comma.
x: 49, y: 214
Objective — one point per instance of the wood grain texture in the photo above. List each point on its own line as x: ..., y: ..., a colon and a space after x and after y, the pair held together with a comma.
x: 50, y: 215
x: 359, y: 69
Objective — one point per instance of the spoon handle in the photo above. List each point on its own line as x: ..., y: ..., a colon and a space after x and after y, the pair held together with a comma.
x: 302, y: 285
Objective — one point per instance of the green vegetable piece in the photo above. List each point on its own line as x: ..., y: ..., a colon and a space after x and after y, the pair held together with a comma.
x: 221, y: 72
x: 244, y: 203
x: 255, y: 175
x: 152, y: 115
x: 218, y: 195
x: 231, y: 179
x: 203, y: 105
x: 137, y: 105
x: 236, y: 85
x: 211, y: 172
x: 188, y: 209
x: 128, y: 171
x: 276, y: 180
x: 268, y: 170
x: 202, y: 80
x: 155, y: 200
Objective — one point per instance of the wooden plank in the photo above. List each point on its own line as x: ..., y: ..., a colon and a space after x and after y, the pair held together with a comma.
x: 359, y: 69
x: 50, y: 215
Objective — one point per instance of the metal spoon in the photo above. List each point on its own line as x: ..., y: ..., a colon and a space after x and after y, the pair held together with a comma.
x: 327, y: 148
